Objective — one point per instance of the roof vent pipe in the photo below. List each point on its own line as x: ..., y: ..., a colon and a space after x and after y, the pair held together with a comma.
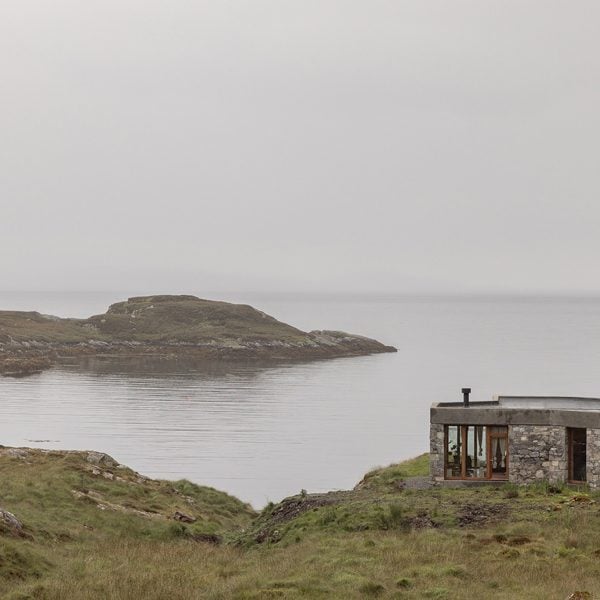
x: 466, y: 392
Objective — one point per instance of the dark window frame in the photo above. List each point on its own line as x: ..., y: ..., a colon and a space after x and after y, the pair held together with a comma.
x: 571, y: 455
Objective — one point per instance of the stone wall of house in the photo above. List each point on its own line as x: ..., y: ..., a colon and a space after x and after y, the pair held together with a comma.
x: 593, y: 458
x: 538, y: 453
x: 436, y: 451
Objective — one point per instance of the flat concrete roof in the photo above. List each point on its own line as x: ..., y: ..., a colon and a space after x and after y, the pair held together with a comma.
x: 554, y: 402
x: 521, y: 410
x: 533, y: 402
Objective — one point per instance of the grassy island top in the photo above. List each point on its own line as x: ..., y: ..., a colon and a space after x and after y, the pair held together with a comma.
x: 187, y: 318
x: 155, y: 318
x: 88, y: 528
x: 150, y: 318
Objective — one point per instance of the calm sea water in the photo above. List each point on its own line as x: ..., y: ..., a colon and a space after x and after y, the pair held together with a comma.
x: 264, y: 433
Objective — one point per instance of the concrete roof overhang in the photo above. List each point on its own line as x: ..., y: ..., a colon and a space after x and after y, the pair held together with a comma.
x: 521, y: 410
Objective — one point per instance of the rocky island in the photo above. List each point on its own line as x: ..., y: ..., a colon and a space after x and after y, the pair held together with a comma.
x: 168, y: 326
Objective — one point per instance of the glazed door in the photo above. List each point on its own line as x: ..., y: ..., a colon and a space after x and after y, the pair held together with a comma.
x: 577, y: 439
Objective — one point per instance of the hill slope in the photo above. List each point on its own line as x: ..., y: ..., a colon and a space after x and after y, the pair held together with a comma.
x: 89, y: 529
x: 202, y: 329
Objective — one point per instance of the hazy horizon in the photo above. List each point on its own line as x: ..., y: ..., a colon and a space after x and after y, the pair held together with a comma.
x: 216, y: 294
x: 84, y: 304
x: 333, y: 146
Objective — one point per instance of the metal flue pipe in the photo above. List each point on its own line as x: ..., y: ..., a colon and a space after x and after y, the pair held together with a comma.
x: 465, y: 393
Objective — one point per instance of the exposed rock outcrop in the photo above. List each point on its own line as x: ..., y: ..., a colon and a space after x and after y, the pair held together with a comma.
x: 10, y: 524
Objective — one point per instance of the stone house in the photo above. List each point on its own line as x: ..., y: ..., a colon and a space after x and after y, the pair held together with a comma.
x: 522, y: 439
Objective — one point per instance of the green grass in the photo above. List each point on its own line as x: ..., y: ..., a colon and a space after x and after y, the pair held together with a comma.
x: 380, y: 540
x: 187, y: 318
x: 62, y: 497
x: 390, y: 476
x: 152, y: 319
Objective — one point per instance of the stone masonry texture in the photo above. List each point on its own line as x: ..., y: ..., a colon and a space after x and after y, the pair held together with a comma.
x: 436, y: 451
x: 593, y: 458
x: 537, y: 453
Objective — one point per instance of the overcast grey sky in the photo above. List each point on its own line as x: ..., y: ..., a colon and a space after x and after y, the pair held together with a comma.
x: 300, y: 145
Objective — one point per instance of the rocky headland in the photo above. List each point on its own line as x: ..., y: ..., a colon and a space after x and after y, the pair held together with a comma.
x: 168, y: 326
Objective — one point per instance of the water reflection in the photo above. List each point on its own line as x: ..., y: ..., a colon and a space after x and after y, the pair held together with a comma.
x: 158, y: 366
x: 260, y: 433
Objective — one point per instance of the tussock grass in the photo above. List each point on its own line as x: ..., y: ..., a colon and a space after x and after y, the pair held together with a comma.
x: 391, y: 476
x: 339, y: 566
x: 376, y: 542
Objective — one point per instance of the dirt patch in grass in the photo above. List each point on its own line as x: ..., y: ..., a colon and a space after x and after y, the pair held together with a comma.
x: 518, y: 540
x: 422, y: 521
x: 293, y: 507
x: 481, y: 514
x: 290, y: 508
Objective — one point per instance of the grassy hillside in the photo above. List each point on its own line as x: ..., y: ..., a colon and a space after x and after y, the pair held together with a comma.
x: 87, y: 535
x: 150, y: 318
x: 72, y: 502
x: 187, y: 318
x: 18, y: 326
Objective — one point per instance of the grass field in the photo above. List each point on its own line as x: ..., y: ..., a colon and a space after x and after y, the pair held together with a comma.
x: 96, y: 530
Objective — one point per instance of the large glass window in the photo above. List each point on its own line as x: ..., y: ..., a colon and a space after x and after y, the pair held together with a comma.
x: 476, y: 465
x: 476, y: 452
x: 453, y: 451
x: 498, y: 452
